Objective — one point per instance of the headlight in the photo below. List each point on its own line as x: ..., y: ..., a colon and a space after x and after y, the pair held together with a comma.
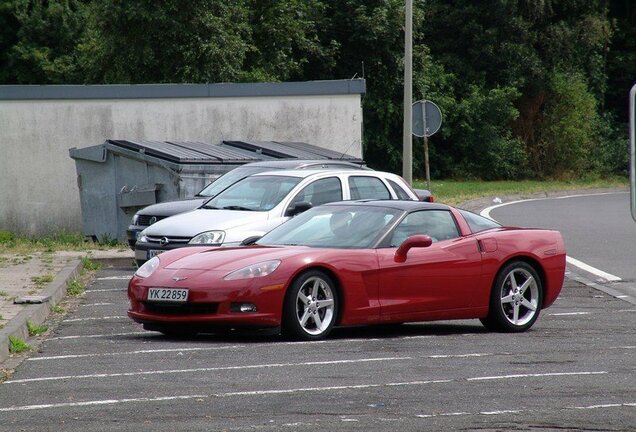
x: 141, y: 237
x: 148, y: 268
x: 255, y: 270
x: 135, y: 219
x: 209, y: 238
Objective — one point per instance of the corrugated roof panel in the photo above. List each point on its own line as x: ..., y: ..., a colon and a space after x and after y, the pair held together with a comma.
x: 223, y: 153
x: 166, y: 151
x: 273, y: 149
x: 319, y: 151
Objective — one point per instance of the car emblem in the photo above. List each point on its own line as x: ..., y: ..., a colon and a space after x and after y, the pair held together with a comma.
x: 177, y: 278
x: 152, y: 220
x: 164, y: 241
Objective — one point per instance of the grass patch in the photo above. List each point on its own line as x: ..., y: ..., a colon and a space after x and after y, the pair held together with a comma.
x: 4, y: 294
x: 17, y: 345
x: 454, y: 192
x: 14, y: 243
x: 40, y: 281
x: 58, y: 309
x: 75, y: 288
x: 89, y: 265
x: 36, y: 330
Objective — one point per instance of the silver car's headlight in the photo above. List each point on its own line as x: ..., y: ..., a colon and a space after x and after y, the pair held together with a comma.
x: 135, y: 219
x: 255, y: 270
x: 208, y: 238
x: 141, y: 237
x: 148, y: 268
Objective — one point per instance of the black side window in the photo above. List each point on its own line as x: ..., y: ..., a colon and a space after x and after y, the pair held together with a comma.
x: 320, y: 192
x: 437, y: 224
x: 364, y: 187
x: 399, y: 191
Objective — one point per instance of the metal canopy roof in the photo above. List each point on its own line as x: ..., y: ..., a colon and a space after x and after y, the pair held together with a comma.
x: 232, y: 152
x: 290, y: 149
x: 188, y: 151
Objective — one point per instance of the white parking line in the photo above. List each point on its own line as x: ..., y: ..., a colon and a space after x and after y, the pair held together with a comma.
x: 210, y: 369
x: 114, y: 278
x: 570, y: 313
x: 98, y: 335
x: 118, y: 354
x: 586, y: 267
x: 95, y: 318
x: 300, y: 390
x: 539, y: 375
x: 106, y: 290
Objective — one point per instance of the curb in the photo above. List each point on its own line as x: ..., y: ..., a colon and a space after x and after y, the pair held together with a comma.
x: 55, y: 291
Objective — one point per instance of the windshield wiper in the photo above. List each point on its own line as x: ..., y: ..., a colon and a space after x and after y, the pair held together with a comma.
x: 237, y: 207
x: 210, y: 207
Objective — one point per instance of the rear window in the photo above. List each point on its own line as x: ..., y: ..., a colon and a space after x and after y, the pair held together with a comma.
x: 478, y: 223
x: 363, y: 187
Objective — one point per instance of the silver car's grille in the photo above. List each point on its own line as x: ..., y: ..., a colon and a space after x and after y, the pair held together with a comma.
x: 168, y: 240
x: 145, y: 220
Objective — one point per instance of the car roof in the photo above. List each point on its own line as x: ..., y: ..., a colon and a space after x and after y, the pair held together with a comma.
x: 302, y: 163
x: 404, y: 205
x: 304, y: 173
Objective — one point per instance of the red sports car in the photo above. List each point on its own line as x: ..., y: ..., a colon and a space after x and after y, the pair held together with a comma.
x: 352, y: 263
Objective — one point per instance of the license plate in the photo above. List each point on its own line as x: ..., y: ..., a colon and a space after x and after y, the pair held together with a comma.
x: 171, y: 295
x: 153, y: 253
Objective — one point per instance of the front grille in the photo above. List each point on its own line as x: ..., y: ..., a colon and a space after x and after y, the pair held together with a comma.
x: 181, y: 309
x: 144, y: 220
x: 171, y: 240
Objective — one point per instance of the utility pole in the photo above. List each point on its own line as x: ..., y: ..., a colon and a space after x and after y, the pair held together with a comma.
x: 407, y: 139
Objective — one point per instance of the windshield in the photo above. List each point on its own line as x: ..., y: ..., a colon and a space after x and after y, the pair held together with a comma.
x: 229, y: 178
x: 255, y: 193
x: 338, y: 227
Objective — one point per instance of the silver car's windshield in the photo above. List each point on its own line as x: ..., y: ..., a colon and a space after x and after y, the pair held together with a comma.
x: 334, y: 227
x: 255, y: 193
x: 228, y: 179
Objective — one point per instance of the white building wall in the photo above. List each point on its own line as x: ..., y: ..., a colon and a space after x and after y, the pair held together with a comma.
x: 38, y: 190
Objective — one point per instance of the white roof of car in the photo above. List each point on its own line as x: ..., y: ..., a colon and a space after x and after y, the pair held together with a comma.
x: 322, y: 172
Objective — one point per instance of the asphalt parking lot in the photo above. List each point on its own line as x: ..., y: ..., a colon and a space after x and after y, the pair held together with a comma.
x: 97, y: 370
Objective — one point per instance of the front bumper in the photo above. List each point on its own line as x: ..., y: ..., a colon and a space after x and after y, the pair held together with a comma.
x: 210, y: 307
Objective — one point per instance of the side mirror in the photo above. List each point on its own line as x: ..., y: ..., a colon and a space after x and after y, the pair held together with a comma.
x: 420, y: 240
x: 250, y: 240
x: 298, y: 208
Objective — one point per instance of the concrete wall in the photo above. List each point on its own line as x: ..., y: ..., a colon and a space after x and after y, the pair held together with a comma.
x: 38, y: 124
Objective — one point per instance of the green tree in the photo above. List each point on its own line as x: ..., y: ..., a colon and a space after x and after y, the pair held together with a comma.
x: 43, y: 48
x: 146, y: 41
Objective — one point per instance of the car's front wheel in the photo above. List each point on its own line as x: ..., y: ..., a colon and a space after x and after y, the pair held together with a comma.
x: 515, y: 300
x: 311, y: 306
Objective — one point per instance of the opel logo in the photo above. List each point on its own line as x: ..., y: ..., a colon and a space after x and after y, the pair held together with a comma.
x: 153, y: 220
x: 178, y: 278
x: 164, y: 241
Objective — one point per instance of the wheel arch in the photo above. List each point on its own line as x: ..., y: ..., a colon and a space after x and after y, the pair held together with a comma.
x: 334, y: 277
x: 532, y: 262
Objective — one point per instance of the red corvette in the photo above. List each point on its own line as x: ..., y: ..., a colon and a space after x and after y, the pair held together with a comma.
x: 352, y: 263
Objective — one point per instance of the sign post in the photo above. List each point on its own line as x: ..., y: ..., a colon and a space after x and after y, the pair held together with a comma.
x: 427, y: 119
x: 632, y: 152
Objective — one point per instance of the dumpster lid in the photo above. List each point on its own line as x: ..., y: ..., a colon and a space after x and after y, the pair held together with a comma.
x: 291, y: 149
x: 185, y: 152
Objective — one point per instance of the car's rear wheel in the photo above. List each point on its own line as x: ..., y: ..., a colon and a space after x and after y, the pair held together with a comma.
x: 515, y: 300
x: 311, y: 306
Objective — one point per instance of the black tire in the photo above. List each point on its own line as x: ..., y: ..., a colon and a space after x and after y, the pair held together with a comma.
x: 310, y: 317
x: 515, y: 299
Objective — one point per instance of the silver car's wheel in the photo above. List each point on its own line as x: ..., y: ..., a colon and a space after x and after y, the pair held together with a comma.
x: 515, y: 299
x: 311, y: 306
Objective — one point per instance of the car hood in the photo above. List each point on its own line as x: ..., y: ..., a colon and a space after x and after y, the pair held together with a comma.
x: 170, y: 208
x: 197, y: 221
x: 229, y: 259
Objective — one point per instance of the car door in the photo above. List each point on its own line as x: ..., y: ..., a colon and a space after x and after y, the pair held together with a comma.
x: 433, y: 280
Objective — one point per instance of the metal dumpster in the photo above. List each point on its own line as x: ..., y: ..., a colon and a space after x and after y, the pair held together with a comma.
x: 118, y: 177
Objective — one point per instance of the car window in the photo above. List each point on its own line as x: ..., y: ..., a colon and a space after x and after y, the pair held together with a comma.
x: 437, y: 224
x: 257, y: 193
x: 320, y: 192
x: 229, y: 178
x: 366, y: 187
x: 334, y: 227
x: 399, y: 191
x: 478, y: 223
